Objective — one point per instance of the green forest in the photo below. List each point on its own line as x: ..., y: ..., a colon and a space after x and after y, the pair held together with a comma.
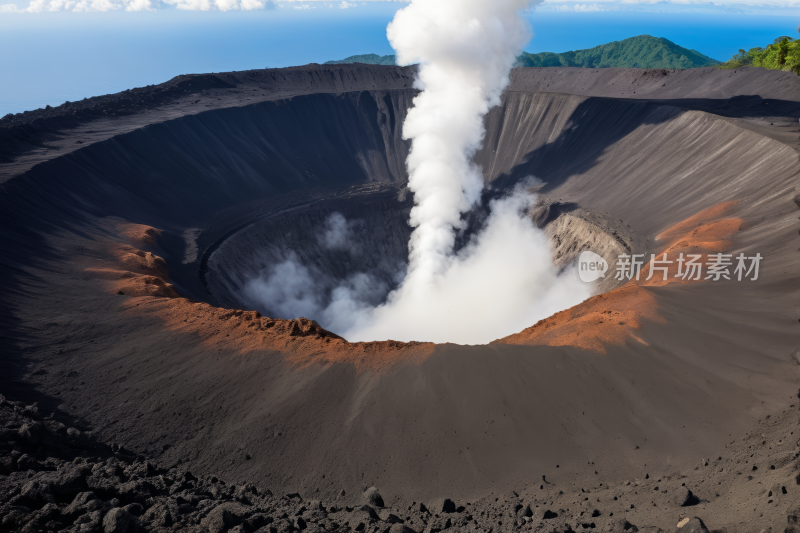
x: 782, y: 54
x: 643, y: 51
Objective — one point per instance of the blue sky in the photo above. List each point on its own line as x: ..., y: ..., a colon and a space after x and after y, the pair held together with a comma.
x: 77, y: 48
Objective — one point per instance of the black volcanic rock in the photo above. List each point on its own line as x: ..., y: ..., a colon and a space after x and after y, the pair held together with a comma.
x: 448, y: 506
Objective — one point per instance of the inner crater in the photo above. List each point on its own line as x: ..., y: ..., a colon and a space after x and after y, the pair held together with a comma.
x: 331, y: 258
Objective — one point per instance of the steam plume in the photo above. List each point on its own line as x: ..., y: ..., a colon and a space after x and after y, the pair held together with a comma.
x: 504, y: 279
x: 465, y: 49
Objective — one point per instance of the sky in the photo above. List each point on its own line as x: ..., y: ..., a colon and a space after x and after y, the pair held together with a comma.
x: 59, y: 50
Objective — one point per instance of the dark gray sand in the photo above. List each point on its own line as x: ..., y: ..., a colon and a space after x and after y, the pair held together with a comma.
x: 705, y: 396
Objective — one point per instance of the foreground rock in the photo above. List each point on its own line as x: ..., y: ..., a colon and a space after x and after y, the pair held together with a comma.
x: 56, y: 478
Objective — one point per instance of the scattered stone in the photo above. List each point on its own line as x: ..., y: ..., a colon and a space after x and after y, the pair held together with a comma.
x: 685, y: 497
x: 623, y: 526
x: 692, y: 525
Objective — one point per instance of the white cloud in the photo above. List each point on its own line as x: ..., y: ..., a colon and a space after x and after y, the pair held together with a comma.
x: 78, y: 6
x: 585, y: 8
x: 716, y: 6
x: 739, y: 7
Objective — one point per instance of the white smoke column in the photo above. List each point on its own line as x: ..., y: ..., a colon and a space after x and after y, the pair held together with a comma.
x: 504, y: 280
x: 465, y: 49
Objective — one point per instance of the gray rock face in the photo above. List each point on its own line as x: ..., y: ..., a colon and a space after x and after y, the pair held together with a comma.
x: 117, y: 520
x: 572, y: 229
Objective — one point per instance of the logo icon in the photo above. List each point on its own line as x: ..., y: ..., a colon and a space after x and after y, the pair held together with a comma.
x: 591, y: 267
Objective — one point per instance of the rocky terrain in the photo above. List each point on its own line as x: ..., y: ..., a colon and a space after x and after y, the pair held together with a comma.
x: 58, y: 478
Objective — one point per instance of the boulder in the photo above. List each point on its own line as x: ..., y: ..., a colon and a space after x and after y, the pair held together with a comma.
x: 36, y: 493
x: 158, y: 515
x: 364, y: 515
x: 117, y: 520
x: 257, y: 521
x: 70, y: 480
x: 373, y: 497
x: 526, y: 511
x: 134, y: 491
x: 223, y: 517
x: 686, y: 498
x: 79, y: 504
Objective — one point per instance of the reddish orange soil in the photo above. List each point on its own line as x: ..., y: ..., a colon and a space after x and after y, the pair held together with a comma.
x: 700, y: 235
x: 139, y: 234
x: 144, y: 276
x: 685, y: 226
x: 611, y: 318
x: 301, y: 341
x: 128, y: 283
x: 134, y: 272
x: 141, y: 262
x: 600, y: 321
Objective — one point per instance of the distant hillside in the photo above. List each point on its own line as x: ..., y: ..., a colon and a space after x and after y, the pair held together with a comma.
x: 643, y: 51
x: 370, y: 59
